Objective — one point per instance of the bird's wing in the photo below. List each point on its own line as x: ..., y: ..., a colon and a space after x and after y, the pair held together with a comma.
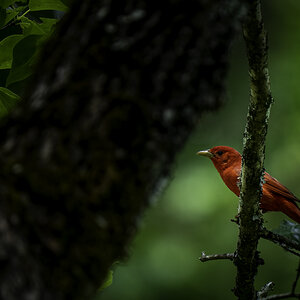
x: 274, y: 186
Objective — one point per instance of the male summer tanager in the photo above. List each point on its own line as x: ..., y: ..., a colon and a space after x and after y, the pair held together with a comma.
x: 275, y: 196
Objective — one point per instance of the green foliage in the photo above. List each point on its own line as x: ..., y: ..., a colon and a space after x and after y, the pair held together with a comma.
x: 290, y: 230
x: 36, y: 5
x: 107, y: 282
x: 8, y: 99
x: 7, y: 46
x: 25, y: 25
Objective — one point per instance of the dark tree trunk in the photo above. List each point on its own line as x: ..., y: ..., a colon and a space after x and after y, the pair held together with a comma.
x: 116, y: 93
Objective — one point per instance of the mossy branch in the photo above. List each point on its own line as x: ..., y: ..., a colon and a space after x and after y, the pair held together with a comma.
x: 280, y: 240
x: 253, y: 152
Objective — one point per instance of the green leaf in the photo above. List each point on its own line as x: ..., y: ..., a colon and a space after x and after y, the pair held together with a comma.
x: 45, y: 28
x: 10, y: 14
x: 6, y: 3
x: 290, y: 230
x: 24, y: 57
x: 2, y: 17
x: 36, y: 5
x: 7, y: 15
x: 47, y: 25
x: 30, y: 27
x: 107, y: 282
x: 7, y: 45
x: 8, y: 100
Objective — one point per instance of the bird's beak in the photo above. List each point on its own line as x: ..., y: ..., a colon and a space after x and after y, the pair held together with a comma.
x: 206, y: 153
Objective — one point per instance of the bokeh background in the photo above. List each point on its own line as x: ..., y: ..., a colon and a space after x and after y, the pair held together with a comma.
x: 193, y: 214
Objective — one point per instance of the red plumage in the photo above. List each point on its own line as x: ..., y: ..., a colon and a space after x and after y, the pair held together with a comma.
x: 275, y: 196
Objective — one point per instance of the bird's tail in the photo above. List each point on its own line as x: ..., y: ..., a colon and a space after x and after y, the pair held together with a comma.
x: 293, y: 211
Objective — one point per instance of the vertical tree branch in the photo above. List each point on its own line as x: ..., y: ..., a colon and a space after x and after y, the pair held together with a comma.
x: 253, y: 152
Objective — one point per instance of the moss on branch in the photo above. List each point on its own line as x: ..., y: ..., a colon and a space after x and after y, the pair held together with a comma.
x: 253, y: 152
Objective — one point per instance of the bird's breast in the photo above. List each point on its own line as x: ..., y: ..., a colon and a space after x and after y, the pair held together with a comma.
x: 230, y: 177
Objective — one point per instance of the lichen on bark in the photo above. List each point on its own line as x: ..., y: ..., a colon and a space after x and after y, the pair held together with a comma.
x: 253, y: 152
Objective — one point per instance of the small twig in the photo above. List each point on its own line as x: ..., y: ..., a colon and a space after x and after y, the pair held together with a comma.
x: 296, y: 279
x: 265, y: 290
x: 277, y: 239
x: 282, y: 296
x: 280, y: 240
x: 290, y: 250
x: 292, y: 294
x: 205, y: 257
x: 24, y: 13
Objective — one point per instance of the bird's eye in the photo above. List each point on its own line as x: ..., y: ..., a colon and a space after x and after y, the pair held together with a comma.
x: 220, y: 153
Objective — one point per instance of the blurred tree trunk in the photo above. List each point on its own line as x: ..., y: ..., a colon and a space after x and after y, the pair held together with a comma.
x: 116, y: 93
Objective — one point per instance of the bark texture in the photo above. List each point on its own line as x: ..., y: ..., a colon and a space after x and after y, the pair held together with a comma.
x: 117, y: 91
x: 253, y: 153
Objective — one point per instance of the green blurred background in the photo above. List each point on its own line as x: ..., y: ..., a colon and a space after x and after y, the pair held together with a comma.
x: 194, y: 212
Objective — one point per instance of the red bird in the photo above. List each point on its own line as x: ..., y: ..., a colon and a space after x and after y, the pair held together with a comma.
x: 275, y: 197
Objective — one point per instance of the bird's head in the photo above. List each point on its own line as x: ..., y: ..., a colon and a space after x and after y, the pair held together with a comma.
x: 222, y: 157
